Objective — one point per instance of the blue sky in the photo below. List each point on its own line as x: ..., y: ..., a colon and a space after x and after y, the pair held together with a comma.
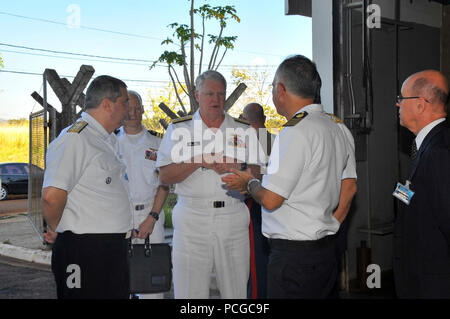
x: 265, y: 37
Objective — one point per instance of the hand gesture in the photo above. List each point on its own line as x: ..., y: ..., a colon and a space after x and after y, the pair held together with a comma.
x: 237, y: 181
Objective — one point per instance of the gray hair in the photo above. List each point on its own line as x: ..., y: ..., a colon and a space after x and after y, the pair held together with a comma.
x: 210, y: 75
x: 137, y: 95
x: 300, y: 77
x: 102, y: 87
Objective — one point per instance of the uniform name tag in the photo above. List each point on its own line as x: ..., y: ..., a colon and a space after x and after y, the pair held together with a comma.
x: 403, y: 192
x: 193, y: 143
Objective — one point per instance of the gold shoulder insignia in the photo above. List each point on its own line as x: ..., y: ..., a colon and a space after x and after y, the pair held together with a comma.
x: 335, y: 118
x: 77, y: 127
x: 241, y: 121
x: 182, y: 119
x: 297, y: 118
x: 157, y: 134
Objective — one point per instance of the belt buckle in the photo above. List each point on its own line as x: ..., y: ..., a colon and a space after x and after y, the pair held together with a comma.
x: 139, y: 207
x: 219, y: 204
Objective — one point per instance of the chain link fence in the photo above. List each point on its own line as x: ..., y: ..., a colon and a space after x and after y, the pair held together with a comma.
x: 37, y: 149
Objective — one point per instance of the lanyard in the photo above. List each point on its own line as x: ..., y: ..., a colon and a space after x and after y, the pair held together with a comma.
x: 427, y: 143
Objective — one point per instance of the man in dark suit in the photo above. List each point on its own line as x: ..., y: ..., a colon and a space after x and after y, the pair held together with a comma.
x: 422, y: 227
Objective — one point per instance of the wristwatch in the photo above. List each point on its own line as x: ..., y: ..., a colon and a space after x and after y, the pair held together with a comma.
x: 249, y: 184
x: 154, y: 215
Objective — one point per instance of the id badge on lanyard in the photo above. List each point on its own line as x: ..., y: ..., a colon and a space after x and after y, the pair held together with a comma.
x: 403, y: 193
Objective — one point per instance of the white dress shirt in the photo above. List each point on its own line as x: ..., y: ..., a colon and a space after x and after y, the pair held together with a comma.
x: 139, y: 153
x: 306, y: 167
x: 86, y: 165
x: 425, y: 130
x: 186, y: 139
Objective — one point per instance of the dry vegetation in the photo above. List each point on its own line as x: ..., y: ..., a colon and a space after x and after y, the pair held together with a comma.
x: 14, y: 140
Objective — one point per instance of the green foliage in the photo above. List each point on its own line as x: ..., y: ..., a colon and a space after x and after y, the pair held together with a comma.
x: 226, y: 42
x: 168, y: 208
x: 219, y: 13
x: 170, y: 58
x: 182, y: 31
x: 184, y: 35
x: 1, y: 62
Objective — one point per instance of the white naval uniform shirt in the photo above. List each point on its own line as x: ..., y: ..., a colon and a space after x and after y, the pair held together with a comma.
x: 140, y: 160
x: 86, y: 165
x: 306, y: 167
x: 350, y: 167
x: 190, y: 138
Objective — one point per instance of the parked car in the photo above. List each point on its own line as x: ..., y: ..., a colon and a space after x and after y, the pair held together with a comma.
x: 14, y: 177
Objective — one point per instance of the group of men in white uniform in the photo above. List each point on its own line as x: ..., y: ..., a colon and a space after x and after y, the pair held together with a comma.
x: 92, y: 176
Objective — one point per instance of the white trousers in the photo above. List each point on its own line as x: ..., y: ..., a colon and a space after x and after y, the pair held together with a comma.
x: 157, y: 236
x: 207, y: 239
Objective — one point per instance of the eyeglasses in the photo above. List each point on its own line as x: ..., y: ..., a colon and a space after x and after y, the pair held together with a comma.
x: 400, y: 98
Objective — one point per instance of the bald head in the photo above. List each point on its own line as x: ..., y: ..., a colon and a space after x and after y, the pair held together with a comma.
x: 432, y: 85
x: 254, y: 113
x: 425, y: 99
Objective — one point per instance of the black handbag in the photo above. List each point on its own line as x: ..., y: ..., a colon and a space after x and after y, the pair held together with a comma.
x: 150, y: 267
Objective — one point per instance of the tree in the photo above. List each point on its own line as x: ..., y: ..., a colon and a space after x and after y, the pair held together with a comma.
x: 259, y: 90
x: 167, y: 96
x: 1, y: 62
x: 185, y: 35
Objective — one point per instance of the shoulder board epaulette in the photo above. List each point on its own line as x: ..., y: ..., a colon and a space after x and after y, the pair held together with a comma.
x: 335, y: 118
x: 182, y: 119
x: 157, y: 134
x: 116, y: 131
x: 241, y: 121
x: 297, y: 118
x: 77, y: 127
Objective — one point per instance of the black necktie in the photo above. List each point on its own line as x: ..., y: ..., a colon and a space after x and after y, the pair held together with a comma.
x: 413, y: 150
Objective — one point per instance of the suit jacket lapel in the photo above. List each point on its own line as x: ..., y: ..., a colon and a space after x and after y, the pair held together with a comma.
x: 425, y: 145
x: 438, y: 128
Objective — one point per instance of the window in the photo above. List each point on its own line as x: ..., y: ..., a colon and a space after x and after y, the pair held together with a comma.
x: 13, y: 169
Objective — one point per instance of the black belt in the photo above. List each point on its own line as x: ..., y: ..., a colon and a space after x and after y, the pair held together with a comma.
x: 107, y: 236
x: 218, y: 204
x: 292, y: 244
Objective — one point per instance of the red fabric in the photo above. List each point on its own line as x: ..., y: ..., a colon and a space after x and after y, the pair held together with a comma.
x: 254, y: 282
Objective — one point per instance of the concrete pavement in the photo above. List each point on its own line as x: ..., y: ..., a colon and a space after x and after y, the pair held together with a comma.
x: 19, y: 240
